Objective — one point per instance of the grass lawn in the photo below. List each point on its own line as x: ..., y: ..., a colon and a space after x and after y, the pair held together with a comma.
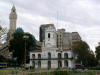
x: 69, y: 73
x: 82, y: 73
x: 16, y: 71
x: 9, y: 71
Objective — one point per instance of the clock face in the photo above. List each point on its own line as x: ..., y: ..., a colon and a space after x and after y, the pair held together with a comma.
x: 48, y: 45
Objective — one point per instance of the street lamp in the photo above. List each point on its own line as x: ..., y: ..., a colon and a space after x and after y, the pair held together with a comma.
x: 25, y: 38
x: 15, y: 61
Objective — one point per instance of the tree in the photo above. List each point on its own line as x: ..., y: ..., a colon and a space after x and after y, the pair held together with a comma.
x: 30, y: 44
x: 19, y: 30
x: 84, y: 54
x: 17, y: 45
x: 2, y: 59
x: 91, y: 59
x: 97, y: 52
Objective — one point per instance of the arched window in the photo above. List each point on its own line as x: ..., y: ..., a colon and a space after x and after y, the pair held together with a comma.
x: 39, y: 64
x: 49, y: 55
x: 33, y: 56
x: 66, y: 55
x: 48, y: 35
x: 59, y: 55
x: 39, y: 56
x: 65, y: 63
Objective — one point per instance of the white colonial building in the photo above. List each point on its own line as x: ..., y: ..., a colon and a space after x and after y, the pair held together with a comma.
x: 52, y: 53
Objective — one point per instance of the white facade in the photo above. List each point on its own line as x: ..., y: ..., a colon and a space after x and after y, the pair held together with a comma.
x: 55, y: 59
x: 50, y: 56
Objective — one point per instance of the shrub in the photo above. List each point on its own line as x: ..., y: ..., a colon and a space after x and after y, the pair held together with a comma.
x: 60, y: 73
x: 94, y: 68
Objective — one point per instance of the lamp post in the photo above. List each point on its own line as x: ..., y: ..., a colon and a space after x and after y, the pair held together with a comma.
x: 25, y: 38
x: 15, y: 59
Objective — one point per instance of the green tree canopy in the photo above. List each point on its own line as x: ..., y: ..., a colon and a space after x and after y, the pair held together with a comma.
x: 17, y: 45
x: 84, y: 54
x: 2, y: 59
x: 97, y: 52
x: 80, y: 47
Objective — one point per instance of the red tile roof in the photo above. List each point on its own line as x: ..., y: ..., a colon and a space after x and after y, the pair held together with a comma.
x: 36, y: 50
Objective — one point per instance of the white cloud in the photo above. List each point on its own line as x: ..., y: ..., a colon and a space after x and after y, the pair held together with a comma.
x: 74, y: 15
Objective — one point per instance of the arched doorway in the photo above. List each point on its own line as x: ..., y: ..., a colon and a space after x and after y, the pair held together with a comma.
x: 33, y: 64
x: 39, y: 64
x: 66, y: 64
x: 49, y: 64
x: 59, y: 64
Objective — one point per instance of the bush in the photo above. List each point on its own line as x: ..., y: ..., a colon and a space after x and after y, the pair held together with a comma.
x: 93, y: 68
x: 60, y: 73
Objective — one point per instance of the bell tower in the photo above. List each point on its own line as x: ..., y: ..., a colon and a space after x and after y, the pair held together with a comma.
x: 50, y: 36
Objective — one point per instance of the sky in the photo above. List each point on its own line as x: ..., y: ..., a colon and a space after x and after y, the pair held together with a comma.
x: 82, y: 16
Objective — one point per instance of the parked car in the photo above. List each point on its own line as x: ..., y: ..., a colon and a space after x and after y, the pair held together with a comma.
x: 79, y: 68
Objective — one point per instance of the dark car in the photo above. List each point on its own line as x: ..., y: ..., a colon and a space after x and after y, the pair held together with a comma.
x: 79, y: 68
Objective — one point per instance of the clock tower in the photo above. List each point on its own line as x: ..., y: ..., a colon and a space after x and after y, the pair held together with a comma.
x: 13, y: 19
